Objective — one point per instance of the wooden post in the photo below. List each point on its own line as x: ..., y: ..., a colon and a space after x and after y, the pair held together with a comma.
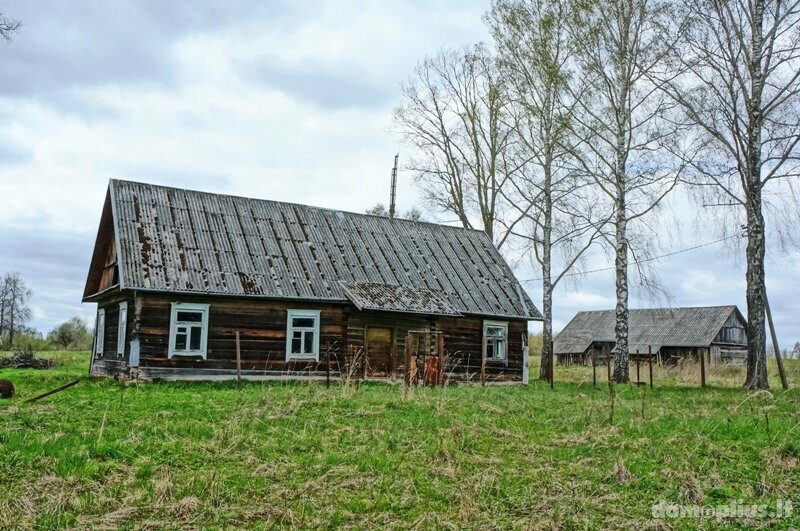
x: 702, y: 354
x: 483, y: 362
x: 650, y: 361
x: 608, y: 369
x: 775, y: 346
x: 552, y: 366
x: 407, y: 371
x: 238, y: 362
x: 366, y: 354
x: 594, y: 369
x: 441, y: 359
x: 638, y: 379
x: 328, y: 366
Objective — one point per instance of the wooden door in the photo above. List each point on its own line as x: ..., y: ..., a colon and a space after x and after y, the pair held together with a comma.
x: 379, y: 351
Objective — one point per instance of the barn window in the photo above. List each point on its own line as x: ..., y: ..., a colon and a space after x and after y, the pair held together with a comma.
x: 189, y: 330
x: 302, y: 335
x: 122, y: 327
x: 100, y: 333
x: 494, y: 335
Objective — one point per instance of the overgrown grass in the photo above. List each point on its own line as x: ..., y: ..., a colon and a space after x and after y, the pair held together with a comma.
x: 180, y: 455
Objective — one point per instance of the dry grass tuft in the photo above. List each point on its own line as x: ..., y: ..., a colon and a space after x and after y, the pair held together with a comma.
x: 620, y: 473
x: 186, y: 506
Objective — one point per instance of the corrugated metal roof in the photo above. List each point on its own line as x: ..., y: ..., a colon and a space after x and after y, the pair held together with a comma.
x: 386, y: 297
x: 655, y: 327
x: 194, y: 242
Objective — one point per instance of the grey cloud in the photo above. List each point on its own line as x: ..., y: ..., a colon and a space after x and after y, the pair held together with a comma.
x: 337, y: 89
x: 67, y: 44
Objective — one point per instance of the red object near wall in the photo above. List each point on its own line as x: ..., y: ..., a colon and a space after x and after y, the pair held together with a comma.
x: 431, y: 371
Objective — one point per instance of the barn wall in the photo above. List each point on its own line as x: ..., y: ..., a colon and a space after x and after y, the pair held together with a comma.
x: 733, y: 332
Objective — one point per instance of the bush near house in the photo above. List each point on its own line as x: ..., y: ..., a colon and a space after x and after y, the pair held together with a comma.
x: 206, y: 455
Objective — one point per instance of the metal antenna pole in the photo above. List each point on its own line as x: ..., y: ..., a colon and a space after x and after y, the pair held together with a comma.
x: 393, y: 192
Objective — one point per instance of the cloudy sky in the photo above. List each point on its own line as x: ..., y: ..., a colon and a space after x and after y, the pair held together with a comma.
x: 286, y: 100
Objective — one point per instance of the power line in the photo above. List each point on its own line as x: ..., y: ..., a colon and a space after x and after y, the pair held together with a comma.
x: 672, y: 253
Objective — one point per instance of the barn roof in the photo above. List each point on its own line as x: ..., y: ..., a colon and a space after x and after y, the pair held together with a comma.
x: 654, y: 327
x: 174, y: 240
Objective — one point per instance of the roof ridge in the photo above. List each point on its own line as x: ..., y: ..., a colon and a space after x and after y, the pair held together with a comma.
x: 667, y: 308
x: 236, y: 196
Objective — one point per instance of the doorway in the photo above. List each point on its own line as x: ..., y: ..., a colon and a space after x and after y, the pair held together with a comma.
x: 379, y: 352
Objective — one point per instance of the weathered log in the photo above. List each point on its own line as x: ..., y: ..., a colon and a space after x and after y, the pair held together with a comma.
x: 54, y: 391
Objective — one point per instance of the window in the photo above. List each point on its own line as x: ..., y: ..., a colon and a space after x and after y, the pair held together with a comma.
x: 100, y: 333
x: 189, y: 330
x: 302, y: 335
x: 122, y: 328
x: 494, y: 334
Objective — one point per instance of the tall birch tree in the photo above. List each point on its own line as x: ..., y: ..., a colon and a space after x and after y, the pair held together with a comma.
x: 625, y: 138
x: 741, y: 91
x: 535, y: 54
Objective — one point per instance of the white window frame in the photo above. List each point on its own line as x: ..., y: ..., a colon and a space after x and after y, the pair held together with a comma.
x: 291, y: 314
x: 99, y: 333
x: 173, y: 329
x: 496, y: 324
x: 122, y: 328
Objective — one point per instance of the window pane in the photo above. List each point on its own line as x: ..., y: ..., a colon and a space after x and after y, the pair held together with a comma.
x: 296, y: 345
x: 494, y: 331
x: 194, y: 343
x: 303, y: 322
x: 297, y: 334
x: 500, y: 350
x: 190, y: 317
x: 180, y: 341
x: 490, y: 349
x: 309, y: 343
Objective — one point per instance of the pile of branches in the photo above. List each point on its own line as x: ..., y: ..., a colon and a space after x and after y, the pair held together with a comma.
x: 25, y: 358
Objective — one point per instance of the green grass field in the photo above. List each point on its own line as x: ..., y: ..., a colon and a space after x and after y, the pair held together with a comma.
x: 294, y: 455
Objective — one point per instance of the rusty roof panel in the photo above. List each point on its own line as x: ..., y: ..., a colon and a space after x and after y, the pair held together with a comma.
x: 193, y: 242
x: 391, y: 298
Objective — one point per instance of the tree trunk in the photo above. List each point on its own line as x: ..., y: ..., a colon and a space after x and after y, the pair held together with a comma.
x: 621, y: 358
x: 756, y: 244
x: 756, y: 326
x: 547, y: 283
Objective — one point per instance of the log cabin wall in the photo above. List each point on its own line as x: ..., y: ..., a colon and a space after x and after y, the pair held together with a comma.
x: 463, y: 345
x: 262, y: 328
x: 262, y: 334
x: 108, y: 362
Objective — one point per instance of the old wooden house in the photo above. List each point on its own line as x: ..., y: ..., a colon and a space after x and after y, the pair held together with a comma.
x: 177, y: 275
x: 717, y: 332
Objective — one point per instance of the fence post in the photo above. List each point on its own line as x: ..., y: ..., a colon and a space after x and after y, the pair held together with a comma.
x: 650, y: 360
x: 702, y: 367
x: 594, y: 369
x: 483, y: 362
x: 407, y: 375
x: 552, y: 365
x: 238, y: 362
x: 328, y: 366
x: 638, y: 379
x: 441, y: 359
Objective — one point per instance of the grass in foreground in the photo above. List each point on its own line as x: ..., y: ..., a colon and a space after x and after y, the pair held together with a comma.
x: 181, y: 455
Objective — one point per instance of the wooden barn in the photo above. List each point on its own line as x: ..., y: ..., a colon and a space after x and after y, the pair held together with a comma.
x: 717, y: 332
x: 177, y: 275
